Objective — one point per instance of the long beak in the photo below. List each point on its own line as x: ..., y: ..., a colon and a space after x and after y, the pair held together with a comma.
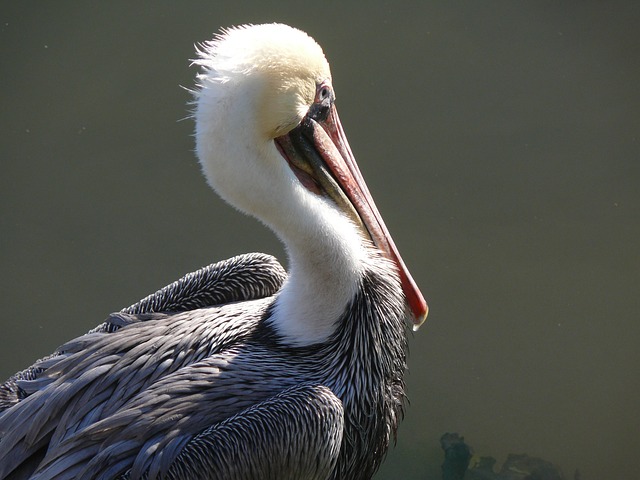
x: 329, y: 166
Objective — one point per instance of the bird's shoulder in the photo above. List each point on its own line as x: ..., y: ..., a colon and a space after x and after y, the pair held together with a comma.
x: 244, y: 277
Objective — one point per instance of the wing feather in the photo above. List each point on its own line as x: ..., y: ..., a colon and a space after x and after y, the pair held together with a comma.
x: 94, y: 375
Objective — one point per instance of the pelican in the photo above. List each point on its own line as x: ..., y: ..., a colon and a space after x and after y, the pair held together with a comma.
x: 241, y: 370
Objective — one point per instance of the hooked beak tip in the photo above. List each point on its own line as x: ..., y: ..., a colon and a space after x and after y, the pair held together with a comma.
x: 419, y: 320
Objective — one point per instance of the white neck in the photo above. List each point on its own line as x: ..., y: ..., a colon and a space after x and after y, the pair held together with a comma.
x: 325, y: 272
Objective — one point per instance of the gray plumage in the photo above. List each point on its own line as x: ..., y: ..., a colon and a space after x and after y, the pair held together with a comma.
x: 244, y: 277
x: 185, y: 385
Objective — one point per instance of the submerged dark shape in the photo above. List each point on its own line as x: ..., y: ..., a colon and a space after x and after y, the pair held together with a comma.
x: 461, y: 464
x: 457, y: 455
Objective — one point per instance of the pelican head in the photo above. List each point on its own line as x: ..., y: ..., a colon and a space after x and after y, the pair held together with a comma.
x: 271, y: 144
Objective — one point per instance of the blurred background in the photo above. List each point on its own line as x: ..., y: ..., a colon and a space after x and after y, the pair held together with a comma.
x: 500, y: 140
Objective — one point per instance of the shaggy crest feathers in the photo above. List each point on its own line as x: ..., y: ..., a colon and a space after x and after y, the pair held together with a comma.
x: 275, y: 48
x: 288, y: 63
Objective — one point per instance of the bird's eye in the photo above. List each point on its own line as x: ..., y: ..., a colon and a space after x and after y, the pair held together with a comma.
x: 322, y: 103
x: 324, y: 93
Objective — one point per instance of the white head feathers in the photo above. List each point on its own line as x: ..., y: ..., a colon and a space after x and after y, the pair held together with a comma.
x: 285, y: 61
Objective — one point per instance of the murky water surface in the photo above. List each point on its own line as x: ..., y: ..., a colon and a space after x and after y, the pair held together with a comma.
x: 501, y: 141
